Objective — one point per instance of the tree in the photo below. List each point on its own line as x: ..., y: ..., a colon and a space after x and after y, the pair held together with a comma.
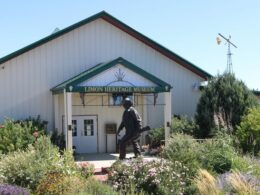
x: 222, y: 104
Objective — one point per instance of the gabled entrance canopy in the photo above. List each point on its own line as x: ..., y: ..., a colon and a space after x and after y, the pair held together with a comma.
x: 117, y: 76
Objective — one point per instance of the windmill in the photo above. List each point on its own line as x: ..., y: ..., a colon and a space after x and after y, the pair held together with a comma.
x: 229, y: 54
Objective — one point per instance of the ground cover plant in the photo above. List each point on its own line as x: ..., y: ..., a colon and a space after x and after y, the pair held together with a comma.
x: 6, y: 189
x: 94, y: 187
x: 228, y: 183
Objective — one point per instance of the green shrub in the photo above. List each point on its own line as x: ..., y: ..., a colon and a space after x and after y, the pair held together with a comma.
x: 57, y: 183
x: 222, y: 104
x: 156, y: 136
x: 151, y: 177
x: 17, y: 135
x: 183, y: 125
x: 37, y: 124
x: 94, y: 187
x: 217, y: 154
x: 248, y: 131
x: 58, y: 139
x: 14, y: 136
x: 183, y: 148
x: 86, y: 170
x: 27, y: 168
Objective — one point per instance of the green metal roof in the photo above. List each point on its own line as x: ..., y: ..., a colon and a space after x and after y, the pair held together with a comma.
x: 74, y: 81
x: 107, y: 17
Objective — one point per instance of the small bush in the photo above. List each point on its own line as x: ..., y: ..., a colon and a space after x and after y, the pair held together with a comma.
x: 58, y: 140
x: 213, y: 154
x: 185, y: 149
x: 183, y: 125
x: 57, y: 183
x: 248, y: 131
x: 86, y: 170
x: 27, y: 168
x: 217, y: 154
x: 6, y: 189
x: 156, y: 136
x: 17, y: 135
x: 37, y: 124
x: 152, y: 177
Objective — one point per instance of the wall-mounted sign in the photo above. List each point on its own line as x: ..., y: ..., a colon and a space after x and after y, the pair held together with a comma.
x: 109, y: 89
x: 118, y: 89
x: 110, y: 129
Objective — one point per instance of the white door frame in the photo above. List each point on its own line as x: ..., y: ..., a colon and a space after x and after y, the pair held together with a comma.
x: 85, y: 115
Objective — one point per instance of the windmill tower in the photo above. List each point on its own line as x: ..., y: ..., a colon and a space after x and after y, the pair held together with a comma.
x: 229, y: 54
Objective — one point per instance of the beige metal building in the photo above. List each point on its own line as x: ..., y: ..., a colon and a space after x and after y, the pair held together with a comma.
x: 76, y: 78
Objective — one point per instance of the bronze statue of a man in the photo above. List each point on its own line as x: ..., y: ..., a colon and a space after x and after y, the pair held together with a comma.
x: 132, y: 123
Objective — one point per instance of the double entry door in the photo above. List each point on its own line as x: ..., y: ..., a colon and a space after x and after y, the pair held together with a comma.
x: 84, y: 134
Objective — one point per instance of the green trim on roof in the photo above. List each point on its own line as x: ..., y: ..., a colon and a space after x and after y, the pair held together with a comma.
x: 74, y: 81
x: 107, y: 17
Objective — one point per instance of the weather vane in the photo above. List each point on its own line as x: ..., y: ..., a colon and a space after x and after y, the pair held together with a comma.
x: 229, y: 59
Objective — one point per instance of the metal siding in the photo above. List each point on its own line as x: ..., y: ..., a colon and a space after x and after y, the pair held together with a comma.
x: 40, y: 69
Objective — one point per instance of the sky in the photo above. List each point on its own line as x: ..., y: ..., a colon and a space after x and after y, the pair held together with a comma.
x: 187, y: 27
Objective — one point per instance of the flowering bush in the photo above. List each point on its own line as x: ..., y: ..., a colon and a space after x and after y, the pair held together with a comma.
x: 156, y: 177
x: 6, y: 189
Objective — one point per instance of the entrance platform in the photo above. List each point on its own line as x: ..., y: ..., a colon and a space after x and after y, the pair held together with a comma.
x: 101, y: 160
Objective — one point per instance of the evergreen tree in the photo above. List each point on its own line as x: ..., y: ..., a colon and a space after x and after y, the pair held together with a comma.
x: 222, y: 104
